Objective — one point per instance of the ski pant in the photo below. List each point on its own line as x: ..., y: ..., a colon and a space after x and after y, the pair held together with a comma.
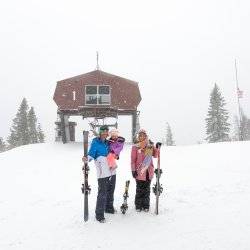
x: 105, y: 196
x: 142, y: 197
x: 110, y: 194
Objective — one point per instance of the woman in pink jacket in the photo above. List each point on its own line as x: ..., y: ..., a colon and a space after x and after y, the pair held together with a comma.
x: 143, y: 169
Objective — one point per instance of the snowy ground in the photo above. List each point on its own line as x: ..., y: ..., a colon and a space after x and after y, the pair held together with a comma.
x: 205, y: 204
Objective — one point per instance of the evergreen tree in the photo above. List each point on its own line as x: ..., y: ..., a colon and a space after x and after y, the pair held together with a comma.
x: 236, y: 129
x: 2, y: 145
x: 13, y: 140
x: 244, y: 128
x: 32, y: 125
x: 169, y: 136
x: 40, y: 134
x: 248, y: 130
x: 19, y: 131
x: 217, y: 127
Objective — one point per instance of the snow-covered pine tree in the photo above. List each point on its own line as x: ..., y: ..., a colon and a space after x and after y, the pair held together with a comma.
x: 244, y: 127
x: 32, y: 125
x: 13, y: 140
x: 217, y: 127
x: 40, y: 134
x: 248, y: 130
x: 2, y: 145
x: 19, y: 130
x: 169, y: 136
x: 236, y: 129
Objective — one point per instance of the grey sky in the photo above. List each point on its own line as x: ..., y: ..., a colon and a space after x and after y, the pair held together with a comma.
x: 176, y: 50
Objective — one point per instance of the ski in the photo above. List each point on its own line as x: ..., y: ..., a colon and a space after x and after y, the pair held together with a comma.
x: 157, y: 188
x: 85, y: 168
x: 124, y: 206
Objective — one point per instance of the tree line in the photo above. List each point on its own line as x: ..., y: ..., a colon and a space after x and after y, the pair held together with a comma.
x: 25, y: 129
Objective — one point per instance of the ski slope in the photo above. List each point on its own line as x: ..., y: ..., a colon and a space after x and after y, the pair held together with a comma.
x: 205, y: 203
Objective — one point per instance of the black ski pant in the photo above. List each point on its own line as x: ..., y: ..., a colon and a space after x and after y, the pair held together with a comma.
x: 110, y: 194
x: 142, y: 197
x: 105, y: 196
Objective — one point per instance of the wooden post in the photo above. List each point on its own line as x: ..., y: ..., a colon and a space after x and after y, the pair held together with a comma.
x: 66, y: 127
x: 64, y: 140
x: 72, y: 130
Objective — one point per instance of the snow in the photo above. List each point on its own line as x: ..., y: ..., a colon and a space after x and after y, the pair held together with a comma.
x: 205, y: 203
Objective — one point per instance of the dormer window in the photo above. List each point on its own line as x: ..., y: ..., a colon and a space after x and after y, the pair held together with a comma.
x: 97, y: 95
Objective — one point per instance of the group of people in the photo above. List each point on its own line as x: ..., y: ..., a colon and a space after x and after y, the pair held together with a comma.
x: 105, y: 150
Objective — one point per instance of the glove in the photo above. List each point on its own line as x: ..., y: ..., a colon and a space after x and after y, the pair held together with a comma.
x: 158, y: 144
x: 151, y: 142
x: 84, y: 159
x: 134, y: 174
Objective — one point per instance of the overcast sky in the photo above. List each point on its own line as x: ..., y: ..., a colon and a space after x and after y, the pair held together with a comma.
x: 176, y: 50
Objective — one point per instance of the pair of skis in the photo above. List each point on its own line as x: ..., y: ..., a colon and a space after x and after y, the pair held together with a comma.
x: 85, y: 186
x: 157, y: 188
x: 124, y: 206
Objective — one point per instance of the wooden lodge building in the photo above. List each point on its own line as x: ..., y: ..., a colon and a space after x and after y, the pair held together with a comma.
x: 98, y: 95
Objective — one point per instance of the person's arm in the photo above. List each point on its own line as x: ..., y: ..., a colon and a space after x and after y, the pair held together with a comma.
x: 133, y: 161
x: 133, y: 158
x: 156, y: 149
x: 155, y: 152
x: 119, y: 148
x: 91, y: 153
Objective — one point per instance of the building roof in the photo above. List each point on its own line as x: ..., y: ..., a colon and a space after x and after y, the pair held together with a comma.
x: 99, y: 74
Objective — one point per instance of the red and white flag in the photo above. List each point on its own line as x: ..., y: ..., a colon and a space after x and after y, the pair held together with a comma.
x: 239, y: 93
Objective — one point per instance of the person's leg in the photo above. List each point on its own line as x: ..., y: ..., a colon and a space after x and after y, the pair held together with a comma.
x: 111, y: 160
x: 146, y: 195
x: 101, y: 198
x: 139, y: 195
x: 110, y: 195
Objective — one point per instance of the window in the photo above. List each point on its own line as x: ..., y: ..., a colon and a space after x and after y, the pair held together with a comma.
x: 91, y: 90
x: 97, y: 95
x: 104, y: 90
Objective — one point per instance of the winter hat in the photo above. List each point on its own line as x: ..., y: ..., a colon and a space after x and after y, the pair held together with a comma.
x: 142, y: 131
x: 114, y: 132
x: 103, y: 128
